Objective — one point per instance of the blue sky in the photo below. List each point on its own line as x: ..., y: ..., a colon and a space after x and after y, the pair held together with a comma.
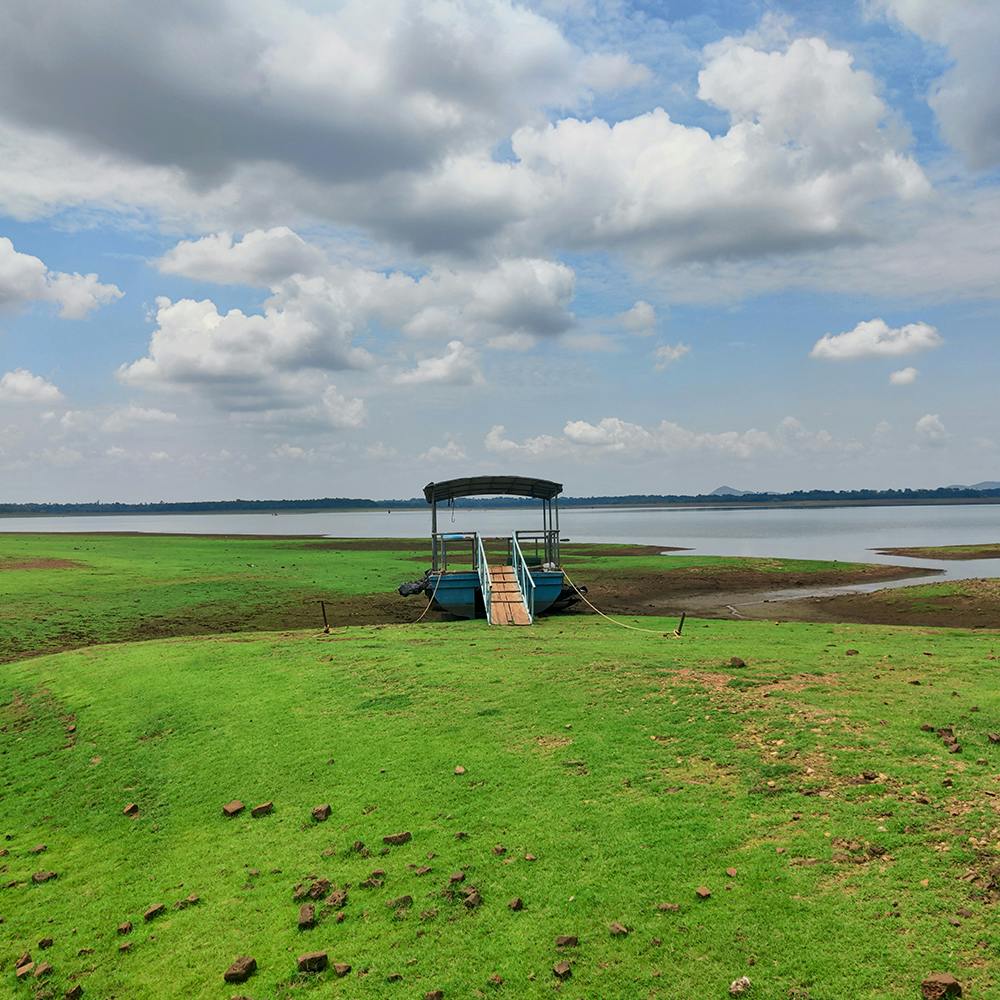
x: 321, y: 249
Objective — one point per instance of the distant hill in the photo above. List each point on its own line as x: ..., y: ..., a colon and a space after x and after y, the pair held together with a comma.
x: 987, y: 485
x: 728, y: 491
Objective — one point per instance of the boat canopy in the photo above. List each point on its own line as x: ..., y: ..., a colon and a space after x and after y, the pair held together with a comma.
x: 480, y: 486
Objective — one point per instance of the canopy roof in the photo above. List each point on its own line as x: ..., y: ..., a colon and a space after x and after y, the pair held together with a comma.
x: 489, y: 486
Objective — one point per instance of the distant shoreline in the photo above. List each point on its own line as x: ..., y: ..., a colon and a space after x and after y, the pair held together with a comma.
x: 696, y: 503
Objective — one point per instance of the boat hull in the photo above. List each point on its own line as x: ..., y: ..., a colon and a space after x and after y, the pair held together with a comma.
x: 460, y: 593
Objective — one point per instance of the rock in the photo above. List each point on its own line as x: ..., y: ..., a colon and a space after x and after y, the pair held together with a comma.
x: 313, y: 961
x: 703, y: 892
x: 192, y: 899
x: 233, y: 808
x: 736, y: 662
x: 42, y: 969
x: 562, y: 970
x: 567, y: 941
x: 455, y: 877
x: 262, y: 810
x: 422, y: 870
x: 530, y: 857
x: 337, y: 899
x: 395, y: 839
x: 322, y: 813
x: 499, y: 850
x: 869, y: 776
x: 341, y: 969
x: 496, y: 979
x: 851, y: 652
x: 74, y: 992
x: 399, y: 903
x: 461, y: 835
x: 23, y: 959
x: 473, y: 897
x: 668, y: 907
x: 955, y: 748
x: 125, y: 928
x: 23, y: 971
x: 153, y: 912
x: 127, y: 946
x: 731, y: 872
x: 132, y: 809
x: 46, y: 942
x: 993, y: 737
x: 434, y: 995
x: 617, y: 929
x: 738, y: 987
x: 927, y: 728
x: 241, y: 970
x: 307, y: 917
x: 516, y: 904
x: 40, y: 877
x: 964, y: 911
x: 458, y: 770
x: 38, y: 849
x: 319, y: 888
x: 939, y: 985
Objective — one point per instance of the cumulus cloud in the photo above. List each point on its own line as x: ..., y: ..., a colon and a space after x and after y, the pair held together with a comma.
x: 905, y: 376
x: 930, y: 430
x: 666, y: 354
x: 876, y: 339
x: 24, y: 279
x: 640, y: 319
x: 458, y: 366
x: 966, y: 99
x: 22, y: 386
x: 450, y: 451
x: 128, y: 417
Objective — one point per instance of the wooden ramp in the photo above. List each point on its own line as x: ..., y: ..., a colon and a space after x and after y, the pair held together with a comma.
x: 506, y: 603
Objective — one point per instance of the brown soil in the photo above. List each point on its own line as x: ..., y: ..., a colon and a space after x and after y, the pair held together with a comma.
x: 991, y: 551
x: 6, y: 564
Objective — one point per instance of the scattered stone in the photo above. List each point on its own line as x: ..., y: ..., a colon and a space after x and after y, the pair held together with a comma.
x: 337, y: 899
x: 153, y: 912
x: 461, y: 835
x: 74, y: 992
x: 516, y: 904
x: 869, y: 776
x: 947, y: 782
x: 233, y: 808
x: 359, y: 848
x: 669, y: 907
x: 127, y: 946
x: 42, y: 969
x: 993, y: 737
x: 473, y: 897
x: 23, y: 959
x: 499, y: 850
x: 422, y: 870
x: 434, y: 995
x: 939, y: 985
x: 191, y: 899
x: 736, y: 662
x: 914, y: 682
x: 307, y: 917
x: 313, y: 961
x: 46, y: 942
x: 851, y: 652
x: 617, y: 929
x: 341, y: 969
x: 567, y: 941
x: 562, y: 970
x: 262, y: 810
x: 394, y: 977
x: 731, y: 872
x: 964, y: 911
x: 458, y: 770
x: 38, y: 849
x: 322, y: 813
x: 927, y: 728
x: 40, y: 877
x: 395, y: 839
x: 241, y: 970
x: 23, y: 971
x: 496, y: 979
x: 703, y: 892
x: 530, y: 857
x: 455, y: 877
x: 125, y: 928
x: 399, y: 903
x: 955, y: 748
x: 738, y: 987
x: 132, y: 809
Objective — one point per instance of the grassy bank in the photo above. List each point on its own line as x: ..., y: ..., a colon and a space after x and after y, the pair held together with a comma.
x: 633, y: 768
x: 68, y: 591
x: 987, y: 551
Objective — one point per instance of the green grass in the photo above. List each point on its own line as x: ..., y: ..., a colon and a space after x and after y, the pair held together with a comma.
x: 122, y: 588
x: 988, y: 550
x: 635, y: 768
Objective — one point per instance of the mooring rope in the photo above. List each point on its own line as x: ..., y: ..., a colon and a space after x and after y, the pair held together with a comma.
x: 634, y: 628
x: 431, y: 601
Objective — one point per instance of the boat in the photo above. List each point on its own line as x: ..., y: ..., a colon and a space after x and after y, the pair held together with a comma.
x: 507, y: 580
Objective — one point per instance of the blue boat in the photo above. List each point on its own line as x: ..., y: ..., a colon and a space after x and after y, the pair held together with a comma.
x: 507, y: 580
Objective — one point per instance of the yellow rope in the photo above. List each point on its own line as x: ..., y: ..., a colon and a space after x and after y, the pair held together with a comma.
x: 431, y: 601
x: 634, y: 628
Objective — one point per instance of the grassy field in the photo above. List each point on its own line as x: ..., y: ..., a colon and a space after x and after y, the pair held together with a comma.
x: 66, y: 591
x: 987, y: 551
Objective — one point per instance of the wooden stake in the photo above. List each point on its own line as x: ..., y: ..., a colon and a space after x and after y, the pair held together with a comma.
x: 326, y: 624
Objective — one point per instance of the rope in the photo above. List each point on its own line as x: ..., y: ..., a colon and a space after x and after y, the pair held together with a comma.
x: 634, y: 628
x: 431, y: 601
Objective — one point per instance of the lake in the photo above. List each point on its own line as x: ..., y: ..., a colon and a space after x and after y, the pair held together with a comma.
x: 844, y: 533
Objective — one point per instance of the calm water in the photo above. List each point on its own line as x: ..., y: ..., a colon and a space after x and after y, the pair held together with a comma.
x: 844, y: 533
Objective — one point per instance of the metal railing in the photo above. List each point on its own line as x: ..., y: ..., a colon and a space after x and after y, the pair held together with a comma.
x: 523, y: 575
x: 485, y: 584
x: 544, y: 543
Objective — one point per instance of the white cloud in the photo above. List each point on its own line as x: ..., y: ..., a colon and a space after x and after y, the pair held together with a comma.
x: 966, y: 99
x: 21, y: 386
x: 341, y: 411
x: 905, y: 376
x: 25, y: 279
x: 930, y: 430
x: 666, y: 354
x: 451, y: 451
x: 542, y: 445
x: 876, y: 339
x: 127, y: 417
x: 640, y: 319
x: 290, y: 451
x: 458, y: 366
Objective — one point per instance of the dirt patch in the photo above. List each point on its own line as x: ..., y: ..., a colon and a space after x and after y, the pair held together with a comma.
x: 10, y: 563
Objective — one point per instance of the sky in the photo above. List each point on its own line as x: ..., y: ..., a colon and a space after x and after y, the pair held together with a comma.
x: 306, y: 248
